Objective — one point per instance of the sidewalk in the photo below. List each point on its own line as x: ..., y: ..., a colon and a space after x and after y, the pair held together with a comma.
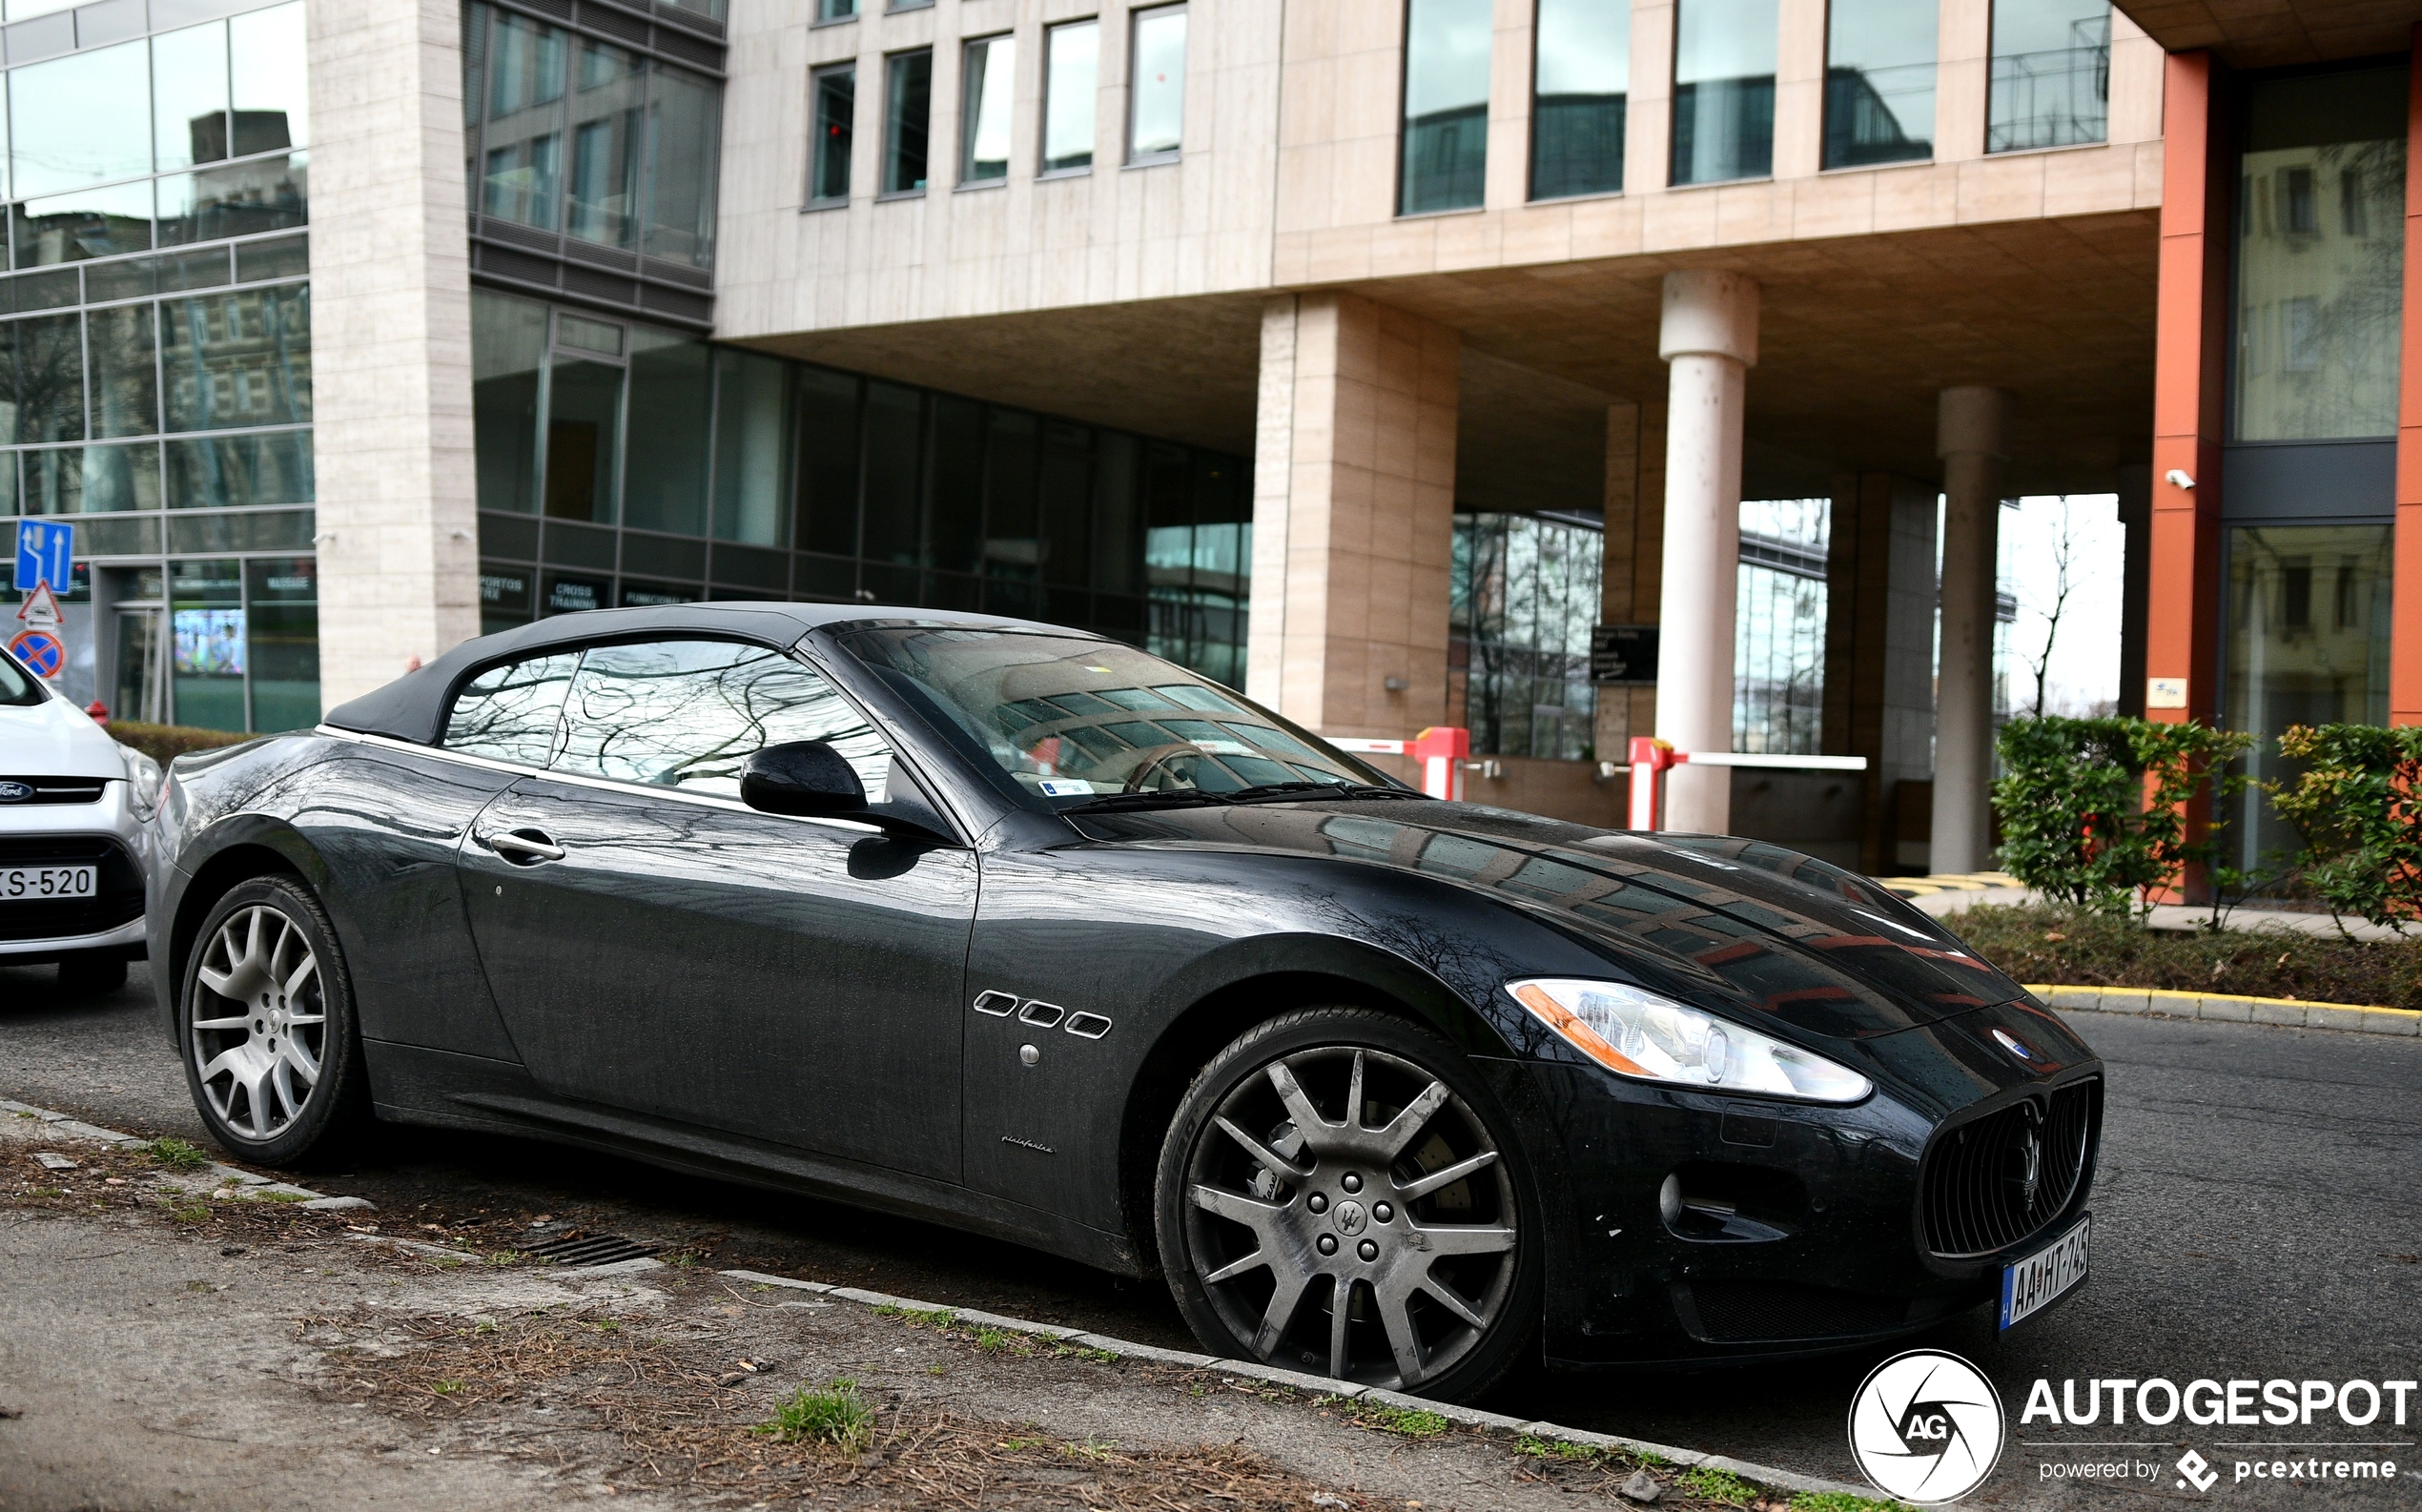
x: 1952, y: 894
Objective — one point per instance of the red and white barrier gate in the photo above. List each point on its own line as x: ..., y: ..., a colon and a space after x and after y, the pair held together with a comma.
x: 1652, y: 759
x: 1440, y: 750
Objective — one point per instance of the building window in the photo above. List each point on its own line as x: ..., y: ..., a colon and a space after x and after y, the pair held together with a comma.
x: 988, y: 89
x: 1443, y: 151
x: 606, y: 110
x: 1723, y: 91
x: 1581, y: 79
x: 1779, y: 638
x: 2051, y: 82
x: 835, y: 93
x: 1524, y: 594
x: 908, y: 106
x: 1879, y: 65
x: 524, y: 143
x: 2320, y: 296
x: 836, y: 10
x: 1071, y: 72
x: 1157, y: 88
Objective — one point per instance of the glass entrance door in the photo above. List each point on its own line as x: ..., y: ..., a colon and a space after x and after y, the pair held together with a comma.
x: 139, y: 690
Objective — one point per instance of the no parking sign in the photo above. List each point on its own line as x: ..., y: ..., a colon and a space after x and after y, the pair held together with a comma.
x: 41, y: 651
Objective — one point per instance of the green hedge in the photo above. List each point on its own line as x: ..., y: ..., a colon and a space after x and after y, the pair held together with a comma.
x: 2069, y: 946
x: 2359, y: 806
x: 165, y: 742
x: 2078, y: 822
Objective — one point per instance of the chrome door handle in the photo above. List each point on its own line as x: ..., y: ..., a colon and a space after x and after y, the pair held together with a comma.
x: 529, y: 846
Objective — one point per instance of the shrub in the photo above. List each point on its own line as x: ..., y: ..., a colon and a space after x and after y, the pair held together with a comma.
x: 165, y: 742
x: 2359, y: 806
x: 2077, y: 822
x: 837, y: 1415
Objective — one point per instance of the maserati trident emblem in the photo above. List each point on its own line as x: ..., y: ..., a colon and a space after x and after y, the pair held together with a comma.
x: 14, y: 792
x: 2013, y: 1044
x: 2030, y: 1175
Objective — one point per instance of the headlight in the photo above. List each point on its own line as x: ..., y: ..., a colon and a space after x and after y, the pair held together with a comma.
x: 1634, y: 1033
x: 143, y: 780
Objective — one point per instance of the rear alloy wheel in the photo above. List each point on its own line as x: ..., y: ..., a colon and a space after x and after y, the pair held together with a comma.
x: 271, y: 1054
x: 1333, y: 1199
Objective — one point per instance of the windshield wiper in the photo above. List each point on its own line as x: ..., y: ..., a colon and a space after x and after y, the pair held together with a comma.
x: 1164, y: 798
x: 1309, y: 790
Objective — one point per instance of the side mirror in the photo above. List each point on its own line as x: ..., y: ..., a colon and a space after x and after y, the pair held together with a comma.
x: 802, y: 777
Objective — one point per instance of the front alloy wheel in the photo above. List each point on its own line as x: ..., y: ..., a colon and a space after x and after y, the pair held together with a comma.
x: 1342, y: 1208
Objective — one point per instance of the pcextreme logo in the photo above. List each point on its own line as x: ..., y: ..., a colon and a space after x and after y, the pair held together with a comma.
x: 1926, y: 1426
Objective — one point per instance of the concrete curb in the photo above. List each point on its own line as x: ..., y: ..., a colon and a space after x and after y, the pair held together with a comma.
x: 2227, y: 1008
x: 209, y: 1178
x: 1323, y: 1386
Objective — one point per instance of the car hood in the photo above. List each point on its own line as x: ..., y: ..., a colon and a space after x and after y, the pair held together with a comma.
x: 1730, y: 924
x: 55, y: 739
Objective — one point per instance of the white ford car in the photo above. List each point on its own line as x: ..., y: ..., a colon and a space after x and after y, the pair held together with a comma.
x: 76, y: 847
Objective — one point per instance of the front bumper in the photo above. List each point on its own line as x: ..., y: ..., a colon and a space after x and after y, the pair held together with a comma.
x: 1798, y: 1229
x: 105, y: 832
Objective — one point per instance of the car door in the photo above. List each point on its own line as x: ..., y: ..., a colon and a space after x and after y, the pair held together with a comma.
x: 657, y: 946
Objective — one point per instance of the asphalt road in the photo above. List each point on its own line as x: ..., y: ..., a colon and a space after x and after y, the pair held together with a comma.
x: 2256, y: 1219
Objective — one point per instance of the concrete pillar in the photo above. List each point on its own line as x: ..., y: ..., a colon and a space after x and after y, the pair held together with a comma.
x: 391, y: 349
x: 1353, y: 516
x: 1708, y: 340
x: 1880, y: 596
x: 1972, y: 438
x: 1633, y: 555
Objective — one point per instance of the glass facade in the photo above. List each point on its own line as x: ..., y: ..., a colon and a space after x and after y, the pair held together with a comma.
x: 1444, y: 153
x: 1723, y: 90
x: 570, y: 136
x: 1157, y: 97
x: 1525, y: 592
x: 2051, y: 74
x: 1071, y: 72
x: 757, y: 476
x: 1581, y: 81
x: 155, y: 363
x: 907, y: 113
x: 988, y: 89
x: 1778, y: 641
x: 1879, y: 65
x: 2320, y: 261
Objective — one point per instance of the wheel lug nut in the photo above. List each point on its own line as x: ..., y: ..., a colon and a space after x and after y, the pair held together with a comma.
x: 1318, y: 1202
x: 1383, y: 1212
x: 1352, y: 1183
x: 1328, y: 1244
x: 1367, y: 1250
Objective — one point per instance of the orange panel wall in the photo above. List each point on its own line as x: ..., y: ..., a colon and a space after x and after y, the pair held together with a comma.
x: 2405, y: 647
x: 2182, y: 634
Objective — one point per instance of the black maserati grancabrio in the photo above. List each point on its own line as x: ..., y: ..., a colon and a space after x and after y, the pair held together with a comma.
x: 1022, y: 931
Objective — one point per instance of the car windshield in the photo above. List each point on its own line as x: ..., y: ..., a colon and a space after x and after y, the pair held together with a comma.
x: 1075, y: 720
x: 17, y: 686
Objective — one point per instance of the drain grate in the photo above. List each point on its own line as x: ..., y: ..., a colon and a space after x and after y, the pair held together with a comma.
x: 595, y: 1249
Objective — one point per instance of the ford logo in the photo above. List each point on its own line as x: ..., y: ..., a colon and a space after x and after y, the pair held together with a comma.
x: 13, y: 792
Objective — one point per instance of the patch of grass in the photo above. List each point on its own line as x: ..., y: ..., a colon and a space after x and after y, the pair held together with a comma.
x: 1100, y: 1449
x: 1842, y: 1502
x: 277, y: 1197
x: 607, y: 1325
x: 1100, y: 1356
x: 1023, y: 1446
x: 506, y: 1258
x: 2080, y: 947
x: 919, y: 1318
x: 1717, y: 1485
x: 1410, y: 1421
x: 999, y: 1341
x: 178, y: 1155
x: 1538, y: 1448
x: 835, y: 1415
x: 195, y: 1212
x: 447, y: 1387
x: 486, y: 1325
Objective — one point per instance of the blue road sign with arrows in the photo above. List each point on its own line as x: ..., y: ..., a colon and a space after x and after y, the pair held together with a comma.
x: 44, y: 550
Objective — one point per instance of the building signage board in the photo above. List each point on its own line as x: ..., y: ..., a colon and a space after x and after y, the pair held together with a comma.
x: 1623, y: 655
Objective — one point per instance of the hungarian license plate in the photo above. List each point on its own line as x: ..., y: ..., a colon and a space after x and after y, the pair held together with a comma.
x: 33, y: 884
x: 2032, y: 1284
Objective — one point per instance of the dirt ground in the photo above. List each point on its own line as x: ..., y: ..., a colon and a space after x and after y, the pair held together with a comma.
x: 170, y: 1342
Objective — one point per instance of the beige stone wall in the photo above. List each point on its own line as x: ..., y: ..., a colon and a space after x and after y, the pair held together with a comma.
x: 1149, y: 231
x: 1353, y: 516
x: 391, y: 340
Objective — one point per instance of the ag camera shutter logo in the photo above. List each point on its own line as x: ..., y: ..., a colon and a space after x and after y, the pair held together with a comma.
x: 1926, y: 1426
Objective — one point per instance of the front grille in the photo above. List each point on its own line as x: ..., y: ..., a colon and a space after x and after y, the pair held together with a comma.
x: 119, y: 899
x: 1747, y: 1309
x: 54, y: 789
x: 1995, y: 1181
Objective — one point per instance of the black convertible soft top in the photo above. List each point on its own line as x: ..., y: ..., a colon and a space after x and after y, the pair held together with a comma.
x: 413, y: 707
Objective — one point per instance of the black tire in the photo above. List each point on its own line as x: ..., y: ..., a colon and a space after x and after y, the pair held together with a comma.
x: 1215, y: 1195
x: 267, y: 1035
x: 92, y: 973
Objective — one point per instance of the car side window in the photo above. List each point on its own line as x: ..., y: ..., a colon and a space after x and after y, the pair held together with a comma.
x: 510, y: 713
x: 686, y: 714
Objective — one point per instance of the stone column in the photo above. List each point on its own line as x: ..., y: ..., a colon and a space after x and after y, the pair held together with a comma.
x: 1880, y: 597
x: 1353, y: 516
x: 1972, y: 438
x: 1708, y: 340
x: 391, y: 340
